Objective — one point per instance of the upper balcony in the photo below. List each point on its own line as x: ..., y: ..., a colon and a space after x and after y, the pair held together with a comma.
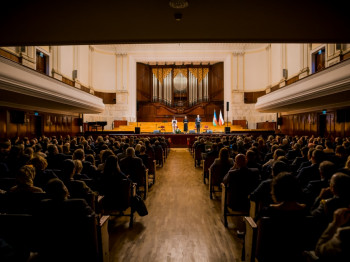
x: 24, y: 88
x: 325, y: 90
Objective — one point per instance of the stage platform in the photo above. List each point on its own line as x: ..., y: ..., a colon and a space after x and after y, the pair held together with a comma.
x: 181, y: 140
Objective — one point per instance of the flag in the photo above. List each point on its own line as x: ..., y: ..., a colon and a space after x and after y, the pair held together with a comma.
x: 215, y: 122
x: 221, y: 120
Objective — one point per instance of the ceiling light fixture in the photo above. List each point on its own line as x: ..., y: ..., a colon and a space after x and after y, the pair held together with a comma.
x: 178, y: 4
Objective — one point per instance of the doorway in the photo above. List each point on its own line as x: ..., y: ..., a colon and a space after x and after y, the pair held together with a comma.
x: 322, y: 125
x: 38, y: 126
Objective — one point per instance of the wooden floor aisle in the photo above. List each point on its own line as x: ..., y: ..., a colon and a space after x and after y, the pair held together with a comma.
x: 183, y: 224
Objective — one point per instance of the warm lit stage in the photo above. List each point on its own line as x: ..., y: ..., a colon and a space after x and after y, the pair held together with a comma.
x: 181, y: 140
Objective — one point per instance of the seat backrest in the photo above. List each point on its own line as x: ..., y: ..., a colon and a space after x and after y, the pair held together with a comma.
x: 241, y: 184
x: 22, y: 203
x: 209, y: 160
x: 18, y: 230
x: 198, y: 153
x: 284, y: 238
x: 7, y: 182
x: 65, y: 235
x: 218, y: 172
x: 121, y: 199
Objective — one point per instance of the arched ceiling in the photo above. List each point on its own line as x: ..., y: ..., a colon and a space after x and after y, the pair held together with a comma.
x: 68, y: 22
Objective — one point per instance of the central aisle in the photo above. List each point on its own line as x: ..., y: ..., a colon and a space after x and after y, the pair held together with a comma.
x: 183, y: 224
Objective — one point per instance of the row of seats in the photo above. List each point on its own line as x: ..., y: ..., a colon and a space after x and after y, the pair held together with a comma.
x: 84, y: 232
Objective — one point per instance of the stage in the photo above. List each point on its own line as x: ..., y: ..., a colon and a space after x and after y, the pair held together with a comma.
x: 181, y: 140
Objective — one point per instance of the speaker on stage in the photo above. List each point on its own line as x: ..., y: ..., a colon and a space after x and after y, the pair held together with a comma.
x: 137, y: 130
x: 227, y: 129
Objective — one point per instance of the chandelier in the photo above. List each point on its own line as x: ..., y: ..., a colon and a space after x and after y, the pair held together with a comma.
x: 178, y: 4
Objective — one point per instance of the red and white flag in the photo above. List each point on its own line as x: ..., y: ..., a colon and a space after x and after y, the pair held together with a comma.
x: 221, y: 119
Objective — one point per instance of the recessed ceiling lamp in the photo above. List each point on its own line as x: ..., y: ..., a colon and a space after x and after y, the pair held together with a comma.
x: 178, y: 4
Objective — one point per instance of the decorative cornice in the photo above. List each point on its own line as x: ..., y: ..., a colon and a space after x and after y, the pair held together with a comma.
x: 181, y: 47
x: 19, y: 79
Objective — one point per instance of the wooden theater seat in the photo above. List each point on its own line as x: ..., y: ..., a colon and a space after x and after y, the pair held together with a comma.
x: 225, y: 210
x: 208, y: 161
x: 279, y: 239
x: 152, y: 169
x: 115, y: 205
x: 7, y: 182
x: 20, y: 203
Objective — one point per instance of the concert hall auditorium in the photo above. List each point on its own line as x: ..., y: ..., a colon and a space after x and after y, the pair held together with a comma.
x: 175, y: 130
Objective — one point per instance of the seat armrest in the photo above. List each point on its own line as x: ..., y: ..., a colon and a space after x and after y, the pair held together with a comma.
x: 250, y: 239
x: 223, y: 198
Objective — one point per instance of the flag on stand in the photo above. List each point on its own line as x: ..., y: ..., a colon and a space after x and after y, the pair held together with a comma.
x: 215, y: 121
x: 221, y: 120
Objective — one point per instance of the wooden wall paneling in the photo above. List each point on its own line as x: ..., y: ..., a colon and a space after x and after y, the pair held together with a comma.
x: 314, y: 123
x: 292, y: 80
x: 10, y: 56
x: 330, y: 130
x: 307, y: 124
x: 108, y: 98
x: 303, y: 120
x: 32, y: 126
x: 295, y: 125
x: 144, y: 83
x: 12, y: 129
x: 3, y: 123
x: 346, y: 56
x: 59, y: 125
x: 69, y: 126
x: 339, y: 127
x: 75, y: 127
x: 216, y: 84
x: 347, y: 129
x: 68, y: 81
x: 46, y: 127
x: 209, y: 112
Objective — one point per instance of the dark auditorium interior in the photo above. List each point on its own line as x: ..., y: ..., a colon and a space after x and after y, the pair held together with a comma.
x: 175, y: 130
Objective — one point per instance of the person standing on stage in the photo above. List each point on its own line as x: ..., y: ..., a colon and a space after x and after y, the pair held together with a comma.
x: 185, y: 124
x: 174, y: 124
x: 198, y: 124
